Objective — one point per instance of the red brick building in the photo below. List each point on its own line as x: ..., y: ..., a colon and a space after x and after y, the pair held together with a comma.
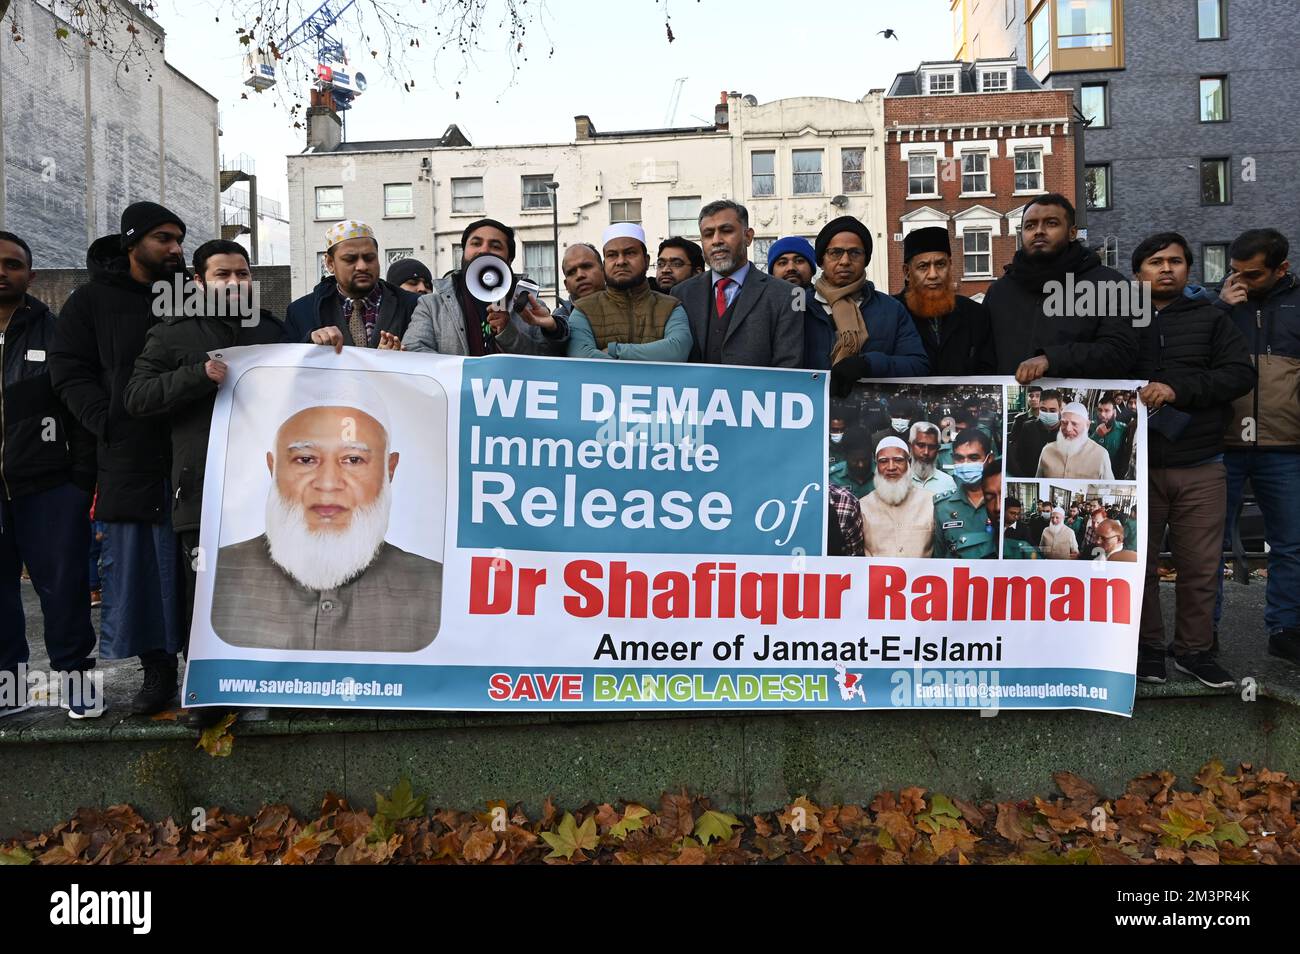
x: 966, y: 146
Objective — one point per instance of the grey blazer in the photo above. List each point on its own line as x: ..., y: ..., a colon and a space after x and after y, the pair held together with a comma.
x: 766, y: 329
x: 438, y: 326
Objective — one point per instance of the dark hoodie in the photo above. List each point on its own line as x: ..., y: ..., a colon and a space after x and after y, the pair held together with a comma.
x: 99, y: 334
x: 34, y: 458
x: 170, y: 380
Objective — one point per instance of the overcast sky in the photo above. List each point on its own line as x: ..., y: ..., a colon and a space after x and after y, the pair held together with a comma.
x: 612, y: 62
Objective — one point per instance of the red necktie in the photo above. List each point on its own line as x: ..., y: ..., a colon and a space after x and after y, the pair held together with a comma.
x: 720, y: 294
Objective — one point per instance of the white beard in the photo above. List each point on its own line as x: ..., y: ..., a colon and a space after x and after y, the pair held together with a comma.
x: 1069, y: 447
x: 922, y: 470
x: 894, y: 492
x: 324, y: 559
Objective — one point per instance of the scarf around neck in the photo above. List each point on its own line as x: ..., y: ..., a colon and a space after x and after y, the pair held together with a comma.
x: 851, y: 330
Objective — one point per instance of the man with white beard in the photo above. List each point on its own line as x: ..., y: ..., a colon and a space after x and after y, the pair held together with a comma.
x: 897, y: 516
x: 923, y: 442
x: 1074, y: 454
x: 1058, y: 541
x: 322, y: 577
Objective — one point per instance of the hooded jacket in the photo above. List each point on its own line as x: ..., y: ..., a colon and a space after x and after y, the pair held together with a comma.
x: 956, y: 343
x: 1192, y: 346
x: 1079, y: 346
x: 99, y: 334
x: 321, y: 307
x: 34, y: 458
x: 1271, y: 329
x: 169, y: 383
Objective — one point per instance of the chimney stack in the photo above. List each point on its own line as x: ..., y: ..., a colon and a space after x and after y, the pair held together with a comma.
x: 720, y: 115
x: 583, y: 127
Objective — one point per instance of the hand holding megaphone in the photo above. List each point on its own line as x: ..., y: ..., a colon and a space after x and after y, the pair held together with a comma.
x: 489, y: 278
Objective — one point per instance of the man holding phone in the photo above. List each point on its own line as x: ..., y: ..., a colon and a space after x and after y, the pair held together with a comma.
x: 1263, y: 435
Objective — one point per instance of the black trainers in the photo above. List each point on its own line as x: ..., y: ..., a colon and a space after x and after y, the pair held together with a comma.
x: 1151, y: 666
x: 1285, y: 645
x: 1202, y: 667
x: 159, y: 688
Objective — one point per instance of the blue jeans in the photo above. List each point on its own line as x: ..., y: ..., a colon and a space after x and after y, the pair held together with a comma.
x: 49, y: 532
x: 1275, y: 477
x: 142, y: 599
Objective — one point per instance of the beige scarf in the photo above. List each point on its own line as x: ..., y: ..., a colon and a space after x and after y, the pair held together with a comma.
x: 850, y: 328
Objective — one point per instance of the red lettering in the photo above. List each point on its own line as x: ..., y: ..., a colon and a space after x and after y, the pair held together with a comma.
x: 885, y: 599
x: 587, y: 600
x: 758, y: 593
x: 1067, y: 602
x: 530, y: 578
x: 673, y: 601
x: 969, y: 591
x: 1022, y: 589
x: 490, y: 585
x: 837, y: 584
x: 629, y: 592
x: 524, y: 689
x: 571, y: 688
x: 499, y: 686
x: 1121, y: 601
x: 931, y: 601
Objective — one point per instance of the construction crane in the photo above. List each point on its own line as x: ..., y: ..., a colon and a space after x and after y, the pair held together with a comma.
x: 332, y: 72
x: 671, y: 116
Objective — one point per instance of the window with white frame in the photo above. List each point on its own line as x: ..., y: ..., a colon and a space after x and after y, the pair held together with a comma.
x: 535, y: 193
x: 456, y: 252
x: 539, y: 263
x: 995, y: 81
x: 399, y: 199
x: 807, y: 171
x: 974, y: 172
x: 1214, y: 263
x: 852, y: 164
x: 329, y: 202
x: 624, y: 210
x: 321, y: 270
x: 467, y: 195
x: 758, y: 252
x: 937, y: 84
x: 1110, y: 251
x: 977, y: 255
x: 397, y: 254
x: 1029, y: 170
x: 921, y: 177
x: 762, y: 166
x: 684, y: 216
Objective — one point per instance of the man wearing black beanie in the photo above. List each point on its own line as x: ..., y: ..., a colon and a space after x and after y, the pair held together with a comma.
x: 449, y: 320
x: 849, y: 327
x: 99, y: 334
x: 411, y: 275
x: 954, y: 328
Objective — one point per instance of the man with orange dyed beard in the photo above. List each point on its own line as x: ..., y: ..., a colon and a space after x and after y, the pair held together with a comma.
x: 954, y: 328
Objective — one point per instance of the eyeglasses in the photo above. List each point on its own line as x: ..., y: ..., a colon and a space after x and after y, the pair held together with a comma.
x: 854, y: 254
x: 671, y: 263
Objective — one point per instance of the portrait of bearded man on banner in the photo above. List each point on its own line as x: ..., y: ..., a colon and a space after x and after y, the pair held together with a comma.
x: 322, y: 577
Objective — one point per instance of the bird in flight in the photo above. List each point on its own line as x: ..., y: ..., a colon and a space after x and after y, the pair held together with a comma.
x: 887, y: 34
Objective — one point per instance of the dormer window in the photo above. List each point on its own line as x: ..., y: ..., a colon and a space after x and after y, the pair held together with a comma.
x: 995, y: 81
x: 937, y: 84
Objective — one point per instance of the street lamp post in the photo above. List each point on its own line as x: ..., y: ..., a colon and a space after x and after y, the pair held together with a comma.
x: 555, y: 233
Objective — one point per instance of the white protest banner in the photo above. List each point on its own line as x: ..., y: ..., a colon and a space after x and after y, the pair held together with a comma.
x: 412, y: 531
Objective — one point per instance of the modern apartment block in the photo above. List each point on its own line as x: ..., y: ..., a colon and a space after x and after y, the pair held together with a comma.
x: 1193, y: 110
x: 967, y: 145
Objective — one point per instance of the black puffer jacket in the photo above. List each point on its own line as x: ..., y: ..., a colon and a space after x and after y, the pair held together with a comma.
x: 98, y: 336
x: 1076, y: 346
x: 169, y: 380
x: 41, y: 446
x: 1193, y: 347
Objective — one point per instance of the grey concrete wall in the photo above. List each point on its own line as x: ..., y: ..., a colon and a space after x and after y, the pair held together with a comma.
x: 1155, y: 140
x: 151, y: 135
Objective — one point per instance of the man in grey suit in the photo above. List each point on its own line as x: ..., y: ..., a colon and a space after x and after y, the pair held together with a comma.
x: 322, y: 577
x: 738, y: 314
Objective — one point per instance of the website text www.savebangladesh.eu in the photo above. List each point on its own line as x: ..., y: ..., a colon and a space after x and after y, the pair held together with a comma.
x: 347, y: 688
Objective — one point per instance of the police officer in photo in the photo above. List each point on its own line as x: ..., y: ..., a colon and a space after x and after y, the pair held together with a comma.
x: 1013, y: 547
x: 963, y: 526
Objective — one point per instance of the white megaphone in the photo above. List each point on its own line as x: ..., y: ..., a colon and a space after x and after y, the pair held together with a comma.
x: 489, y: 278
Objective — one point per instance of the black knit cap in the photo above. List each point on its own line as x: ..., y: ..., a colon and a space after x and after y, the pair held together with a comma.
x: 141, y: 218
x: 931, y: 239
x: 845, y: 223
x: 478, y: 224
x: 404, y: 269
